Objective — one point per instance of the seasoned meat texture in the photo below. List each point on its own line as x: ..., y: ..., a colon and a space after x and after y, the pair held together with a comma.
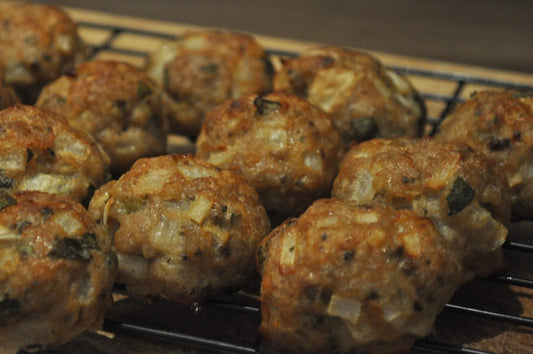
x: 285, y: 147
x: 56, y: 271
x: 500, y: 125
x: 115, y: 102
x: 363, y: 98
x: 202, y: 69
x: 37, y: 43
x: 182, y: 228
x: 464, y: 195
x: 40, y: 151
x: 343, y: 278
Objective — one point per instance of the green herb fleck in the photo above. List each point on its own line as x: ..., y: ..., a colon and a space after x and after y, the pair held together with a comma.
x: 76, y: 249
x: 143, y: 89
x: 133, y: 205
x: 6, y: 200
x: 460, y: 196
x: 266, y: 106
x: 365, y: 128
x: 5, y: 182
x: 210, y: 68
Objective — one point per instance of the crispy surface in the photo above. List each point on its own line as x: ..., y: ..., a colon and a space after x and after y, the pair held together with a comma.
x: 363, y: 98
x: 457, y: 188
x: 183, y: 229
x: 117, y: 103
x: 56, y: 270
x: 346, y: 278
x: 284, y: 146
x: 202, y: 69
x: 40, y: 151
x: 38, y: 42
x: 500, y: 125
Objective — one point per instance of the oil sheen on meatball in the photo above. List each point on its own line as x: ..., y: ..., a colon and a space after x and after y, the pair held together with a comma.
x: 343, y: 278
x: 115, y: 102
x: 363, y: 98
x: 40, y: 151
x: 202, y: 69
x: 500, y: 125
x: 183, y: 229
x: 464, y: 195
x: 37, y: 43
x: 285, y: 147
x: 56, y: 271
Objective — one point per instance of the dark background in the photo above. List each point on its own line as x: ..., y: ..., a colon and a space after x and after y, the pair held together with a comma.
x: 496, y: 34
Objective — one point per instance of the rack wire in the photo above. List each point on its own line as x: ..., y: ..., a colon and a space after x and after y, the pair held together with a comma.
x: 245, y: 308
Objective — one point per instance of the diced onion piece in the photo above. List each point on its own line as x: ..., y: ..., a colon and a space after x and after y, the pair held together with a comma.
x: 411, y: 243
x: 14, y: 161
x: 327, y: 221
x: 192, y: 172
x: 348, y: 309
x: 312, y: 161
x: 331, y: 86
x: 288, y: 249
x: 107, y: 208
x: 8, y: 234
x: 135, y: 267
x: 153, y: 181
x: 44, y: 182
x: 366, y: 217
x: 221, y: 158
x: 391, y: 311
x: 70, y: 224
x: 200, y: 209
x: 166, y: 53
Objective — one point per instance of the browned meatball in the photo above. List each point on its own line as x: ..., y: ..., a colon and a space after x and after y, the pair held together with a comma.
x: 118, y: 104
x: 56, y: 271
x: 347, y: 278
x: 183, y: 229
x: 500, y: 125
x: 37, y: 44
x: 202, y: 69
x: 456, y: 187
x: 40, y: 151
x: 285, y: 147
x: 363, y: 98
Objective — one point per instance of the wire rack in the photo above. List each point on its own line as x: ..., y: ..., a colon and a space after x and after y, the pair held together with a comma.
x: 486, y: 315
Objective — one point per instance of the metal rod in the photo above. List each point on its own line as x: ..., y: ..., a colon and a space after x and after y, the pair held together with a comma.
x: 523, y: 321
x: 197, y: 341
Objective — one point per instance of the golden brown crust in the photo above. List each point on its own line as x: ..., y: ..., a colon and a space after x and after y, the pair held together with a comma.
x: 453, y: 185
x: 183, y: 229
x: 500, y: 125
x: 38, y: 43
x: 363, y: 98
x: 284, y: 146
x: 56, y: 270
x: 346, y: 278
x: 202, y: 69
x: 40, y: 151
x: 115, y: 102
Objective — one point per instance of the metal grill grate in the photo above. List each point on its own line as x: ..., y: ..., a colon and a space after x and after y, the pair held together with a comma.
x: 201, y: 328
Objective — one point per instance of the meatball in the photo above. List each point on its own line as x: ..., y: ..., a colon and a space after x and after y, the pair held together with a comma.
x: 285, y: 147
x: 56, y: 271
x: 202, y: 69
x: 347, y: 278
x: 115, y: 102
x: 500, y: 125
x: 40, y: 151
x: 363, y: 98
x: 183, y: 229
x: 37, y: 43
x: 464, y: 195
